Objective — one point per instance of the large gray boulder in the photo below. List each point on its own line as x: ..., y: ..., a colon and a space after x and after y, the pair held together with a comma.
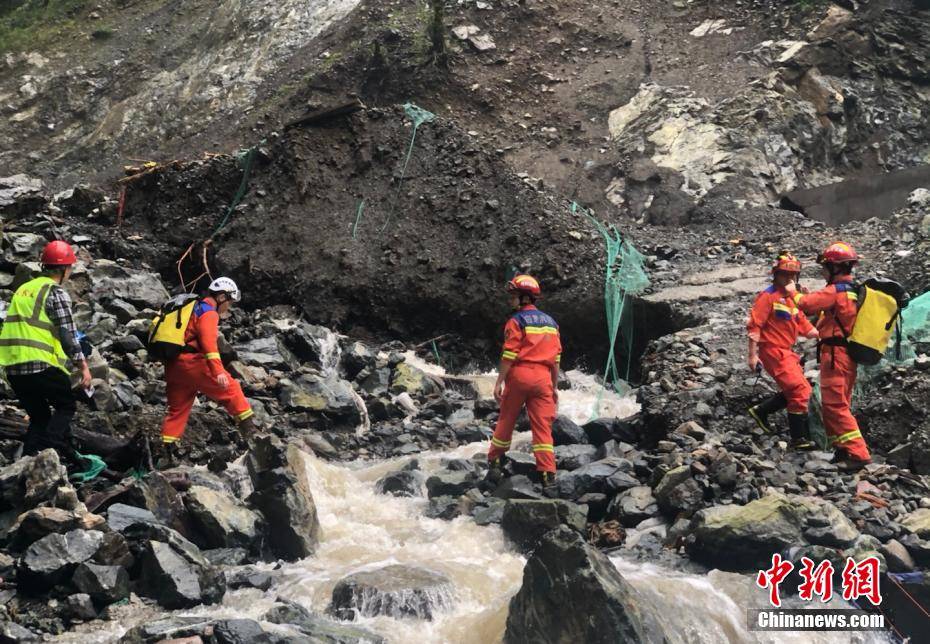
x: 317, y: 627
x: 565, y: 431
x: 401, y: 483
x: 396, y: 591
x: 111, y: 281
x: 104, y: 584
x: 608, y: 475
x: 176, y: 581
x: 413, y: 381
x: 269, y: 353
x: 31, y: 480
x: 221, y: 521
x: 21, y: 196
x: 451, y: 483
x: 571, y: 457
x: 744, y: 537
x: 283, y: 497
x: 526, y: 521
x: 572, y: 593
x: 331, y: 397
x: 53, y: 559
x: 633, y: 506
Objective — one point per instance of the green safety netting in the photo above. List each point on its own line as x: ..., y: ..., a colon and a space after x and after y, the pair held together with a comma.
x: 418, y: 116
x: 915, y: 326
x: 624, y: 276
x: 95, y: 467
x: 245, y: 158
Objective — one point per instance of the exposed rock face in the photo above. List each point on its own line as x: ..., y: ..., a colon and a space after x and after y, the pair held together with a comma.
x: 104, y: 584
x: 744, y: 537
x: 396, y: 591
x: 222, y: 521
x: 573, y: 593
x: 283, y: 496
x: 525, y: 522
x: 176, y: 581
x: 317, y: 627
x: 52, y: 559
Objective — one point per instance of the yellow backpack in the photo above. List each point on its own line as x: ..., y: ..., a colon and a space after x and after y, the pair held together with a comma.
x: 880, y: 302
x: 166, y: 332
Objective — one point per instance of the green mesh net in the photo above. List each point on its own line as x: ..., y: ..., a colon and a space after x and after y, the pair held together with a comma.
x: 624, y: 276
x: 95, y: 465
x: 418, y: 116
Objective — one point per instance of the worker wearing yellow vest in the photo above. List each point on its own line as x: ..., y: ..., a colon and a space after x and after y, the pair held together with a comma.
x: 37, y: 340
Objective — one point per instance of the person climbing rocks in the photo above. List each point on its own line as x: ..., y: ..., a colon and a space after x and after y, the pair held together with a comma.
x: 199, y: 369
x: 836, y: 304
x: 38, y: 339
x: 528, y: 376
x: 774, y: 324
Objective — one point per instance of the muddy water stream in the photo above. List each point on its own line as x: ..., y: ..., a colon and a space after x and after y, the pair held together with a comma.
x: 362, y: 529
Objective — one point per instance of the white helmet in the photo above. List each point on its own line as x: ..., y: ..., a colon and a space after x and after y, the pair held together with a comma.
x: 226, y: 285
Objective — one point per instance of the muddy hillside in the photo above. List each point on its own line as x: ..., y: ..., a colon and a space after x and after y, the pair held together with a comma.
x: 370, y: 174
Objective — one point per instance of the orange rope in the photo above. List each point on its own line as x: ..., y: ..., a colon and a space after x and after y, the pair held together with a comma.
x: 908, y: 595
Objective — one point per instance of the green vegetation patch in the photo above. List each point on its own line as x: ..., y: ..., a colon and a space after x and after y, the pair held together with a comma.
x: 32, y: 24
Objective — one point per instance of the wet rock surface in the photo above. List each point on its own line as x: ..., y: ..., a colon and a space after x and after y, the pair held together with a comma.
x: 398, y: 591
x: 572, y: 592
x: 686, y: 161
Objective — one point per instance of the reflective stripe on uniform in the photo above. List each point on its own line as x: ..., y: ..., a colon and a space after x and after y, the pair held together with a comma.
x: 797, y: 297
x: 848, y: 436
x: 558, y: 358
x: 852, y: 295
x: 212, y: 356
x: 499, y: 443
x: 169, y: 439
x: 248, y: 413
x: 543, y: 447
x: 23, y: 342
x: 39, y: 324
x: 28, y: 335
x: 509, y: 355
x: 541, y: 330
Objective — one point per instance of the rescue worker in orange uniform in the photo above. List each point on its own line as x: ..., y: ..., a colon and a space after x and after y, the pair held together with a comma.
x: 837, y: 306
x: 775, y: 322
x: 528, y: 375
x: 198, y: 368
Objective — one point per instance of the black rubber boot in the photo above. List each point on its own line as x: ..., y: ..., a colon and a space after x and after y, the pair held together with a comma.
x: 495, y: 475
x: 760, y: 413
x: 246, y: 430
x: 547, y: 479
x: 799, y: 430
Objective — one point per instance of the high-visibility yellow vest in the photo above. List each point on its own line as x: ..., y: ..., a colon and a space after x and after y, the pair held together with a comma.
x: 28, y: 335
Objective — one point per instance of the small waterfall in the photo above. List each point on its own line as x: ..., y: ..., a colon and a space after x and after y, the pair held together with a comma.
x: 330, y: 349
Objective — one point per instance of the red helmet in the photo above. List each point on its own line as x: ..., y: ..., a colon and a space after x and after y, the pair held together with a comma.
x: 838, y: 253
x: 788, y: 263
x: 524, y: 284
x: 58, y: 253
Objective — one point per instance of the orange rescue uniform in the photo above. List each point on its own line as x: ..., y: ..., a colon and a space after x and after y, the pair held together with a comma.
x: 532, y: 344
x: 195, y: 370
x: 837, y: 306
x: 775, y: 322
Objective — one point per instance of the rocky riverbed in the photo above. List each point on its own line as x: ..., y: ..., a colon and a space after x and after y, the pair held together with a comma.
x: 371, y: 265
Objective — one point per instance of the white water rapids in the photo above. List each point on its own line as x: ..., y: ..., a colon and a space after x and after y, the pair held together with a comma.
x: 362, y: 529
